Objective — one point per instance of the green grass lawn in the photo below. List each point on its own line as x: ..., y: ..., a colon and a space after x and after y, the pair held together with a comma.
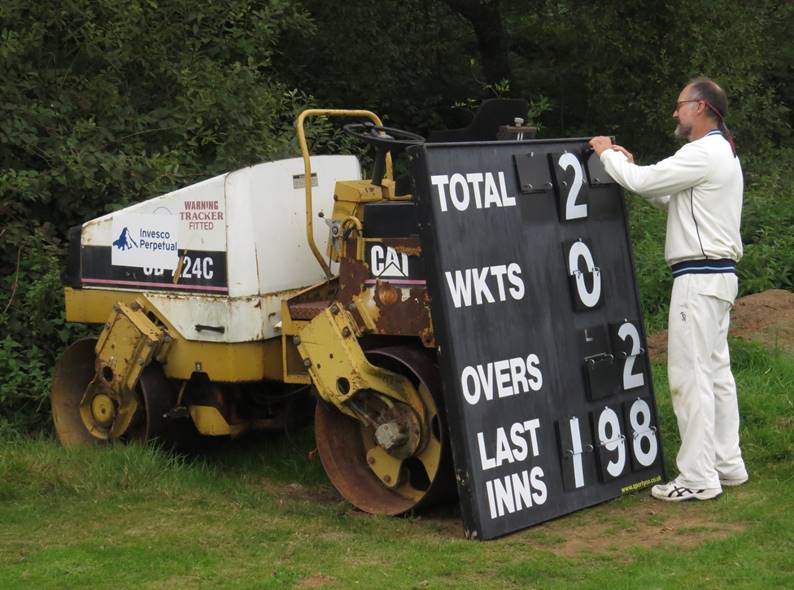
x: 260, y: 514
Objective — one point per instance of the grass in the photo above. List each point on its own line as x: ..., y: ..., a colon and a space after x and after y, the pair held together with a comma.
x: 260, y: 514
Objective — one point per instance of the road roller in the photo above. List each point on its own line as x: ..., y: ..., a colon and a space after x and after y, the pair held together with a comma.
x: 254, y: 298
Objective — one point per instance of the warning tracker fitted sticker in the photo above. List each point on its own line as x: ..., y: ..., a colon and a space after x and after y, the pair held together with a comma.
x: 202, y: 223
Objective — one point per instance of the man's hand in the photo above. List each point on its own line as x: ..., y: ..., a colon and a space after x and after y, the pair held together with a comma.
x: 600, y: 143
x: 625, y: 152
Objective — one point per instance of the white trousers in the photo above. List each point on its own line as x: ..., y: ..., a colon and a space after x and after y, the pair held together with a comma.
x: 702, y: 387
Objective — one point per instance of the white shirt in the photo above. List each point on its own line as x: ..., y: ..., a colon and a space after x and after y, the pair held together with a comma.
x: 701, y: 186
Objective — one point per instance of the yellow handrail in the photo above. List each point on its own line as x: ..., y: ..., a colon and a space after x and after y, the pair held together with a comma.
x: 307, y: 167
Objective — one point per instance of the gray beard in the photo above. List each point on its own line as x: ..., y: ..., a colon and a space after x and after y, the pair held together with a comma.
x: 682, y: 132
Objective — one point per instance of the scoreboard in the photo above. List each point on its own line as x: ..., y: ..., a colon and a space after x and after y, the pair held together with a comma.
x: 547, y: 384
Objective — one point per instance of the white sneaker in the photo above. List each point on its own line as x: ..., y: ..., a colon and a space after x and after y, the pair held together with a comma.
x: 672, y: 491
x: 733, y: 481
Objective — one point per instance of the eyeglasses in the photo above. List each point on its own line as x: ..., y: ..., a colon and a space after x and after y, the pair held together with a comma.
x: 680, y: 102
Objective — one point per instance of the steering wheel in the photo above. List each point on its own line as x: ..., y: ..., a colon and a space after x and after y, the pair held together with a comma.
x: 385, y: 140
x: 379, y: 136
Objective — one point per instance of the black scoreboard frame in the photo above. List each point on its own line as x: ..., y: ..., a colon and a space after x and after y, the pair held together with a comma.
x: 548, y: 395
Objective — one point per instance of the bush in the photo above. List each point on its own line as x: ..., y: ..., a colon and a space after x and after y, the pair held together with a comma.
x: 32, y: 324
x: 647, y: 227
x: 768, y: 223
x: 104, y: 104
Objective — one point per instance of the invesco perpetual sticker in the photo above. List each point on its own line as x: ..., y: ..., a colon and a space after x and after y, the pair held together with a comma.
x: 145, y: 240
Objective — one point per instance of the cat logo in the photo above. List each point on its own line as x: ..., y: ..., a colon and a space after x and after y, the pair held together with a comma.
x: 385, y: 261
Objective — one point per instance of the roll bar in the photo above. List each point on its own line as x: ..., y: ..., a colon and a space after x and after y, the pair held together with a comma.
x: 307, y: 166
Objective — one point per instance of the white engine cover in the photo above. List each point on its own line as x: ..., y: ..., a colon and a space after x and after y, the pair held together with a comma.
x: 241, y: 238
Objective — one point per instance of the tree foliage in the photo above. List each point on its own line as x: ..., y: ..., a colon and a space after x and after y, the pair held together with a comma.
x: 108, y: 102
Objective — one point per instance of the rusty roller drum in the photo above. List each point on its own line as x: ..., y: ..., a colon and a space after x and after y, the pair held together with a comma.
x: 353, y: 459
x: 156, y: 395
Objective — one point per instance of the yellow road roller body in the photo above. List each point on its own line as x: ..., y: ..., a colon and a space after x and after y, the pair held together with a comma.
x: 254, y: 298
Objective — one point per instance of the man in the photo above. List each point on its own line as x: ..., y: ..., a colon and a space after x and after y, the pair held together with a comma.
x: 701, y: 187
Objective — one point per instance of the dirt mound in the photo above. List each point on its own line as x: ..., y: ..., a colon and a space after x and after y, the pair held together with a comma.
x: 766, y: 317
